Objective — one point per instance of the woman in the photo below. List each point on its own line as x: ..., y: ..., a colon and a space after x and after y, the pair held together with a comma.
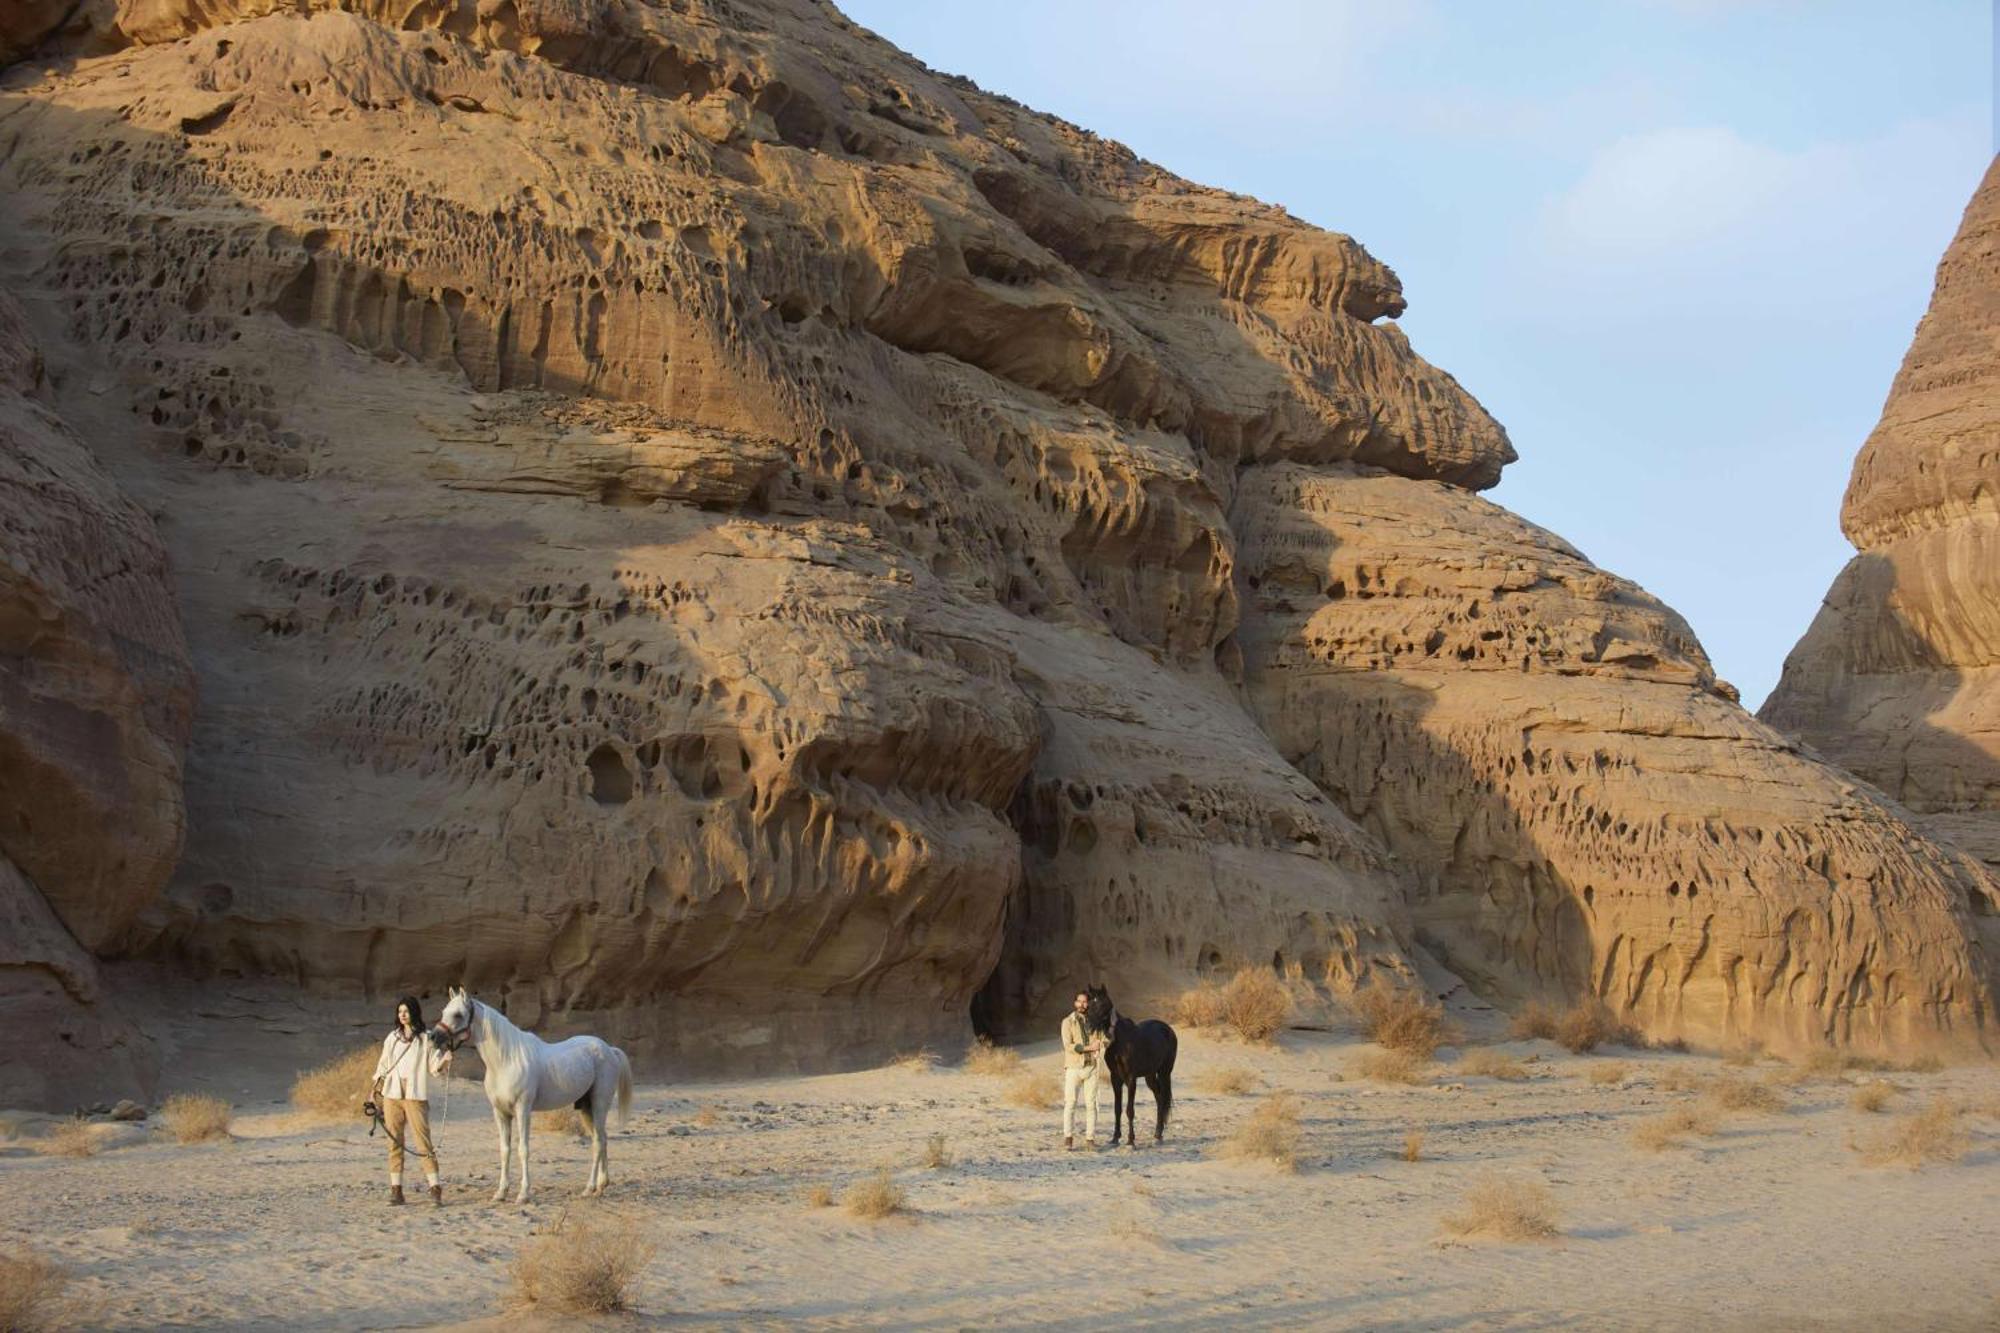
x: 402, y: 1089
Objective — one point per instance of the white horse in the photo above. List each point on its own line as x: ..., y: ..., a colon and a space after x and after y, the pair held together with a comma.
x: 525, y: 1074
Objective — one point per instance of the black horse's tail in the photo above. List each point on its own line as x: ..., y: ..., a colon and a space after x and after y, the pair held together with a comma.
x: 1166, y: 1096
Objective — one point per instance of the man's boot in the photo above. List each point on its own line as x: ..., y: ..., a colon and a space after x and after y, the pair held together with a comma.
x: 1069, y: 1141
x: 395, y: 1194
x: 437, y: 1195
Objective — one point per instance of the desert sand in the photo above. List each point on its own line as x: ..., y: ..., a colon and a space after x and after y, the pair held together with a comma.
x: 1773, y: 1221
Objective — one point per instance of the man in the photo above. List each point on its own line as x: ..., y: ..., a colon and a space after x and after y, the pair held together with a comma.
x: 1083, y: 1060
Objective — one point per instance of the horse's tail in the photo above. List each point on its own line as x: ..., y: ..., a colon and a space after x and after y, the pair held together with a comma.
x: 624, y: 1087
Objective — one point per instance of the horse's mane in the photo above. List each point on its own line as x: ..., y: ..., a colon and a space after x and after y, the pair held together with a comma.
x: 501, y: 1034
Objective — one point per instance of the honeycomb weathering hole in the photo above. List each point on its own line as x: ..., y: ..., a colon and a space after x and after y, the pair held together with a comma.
x: 610, y: 780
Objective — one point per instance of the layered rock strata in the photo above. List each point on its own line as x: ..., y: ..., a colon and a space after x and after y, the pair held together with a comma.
x: 687, y: 520
x: 1898, y: 678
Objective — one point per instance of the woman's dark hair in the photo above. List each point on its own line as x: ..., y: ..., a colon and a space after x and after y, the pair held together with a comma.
x: 416, y: 1011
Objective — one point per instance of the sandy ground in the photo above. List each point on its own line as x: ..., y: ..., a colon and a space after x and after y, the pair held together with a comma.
x: 1773, y: 1222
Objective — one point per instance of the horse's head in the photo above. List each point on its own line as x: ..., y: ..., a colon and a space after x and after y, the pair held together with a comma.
x: 1097, y: 1013
x: 454, y: 1025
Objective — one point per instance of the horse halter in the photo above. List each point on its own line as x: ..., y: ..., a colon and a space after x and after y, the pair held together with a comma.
x: 453, y: 1040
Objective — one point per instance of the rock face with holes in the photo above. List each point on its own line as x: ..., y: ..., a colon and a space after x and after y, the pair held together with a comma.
x: 1898, y: 679
x: 1580, y: 806
x: 751, y: 543
x: 95, y: 699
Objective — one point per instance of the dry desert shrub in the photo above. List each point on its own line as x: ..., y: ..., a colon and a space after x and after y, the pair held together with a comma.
x: 1923, y: 1064
x: 1392, y: 1066
x: 1506, y: 1209
x: 1200, y: 1007
x: 983, y: 1057
x: 33, y: 1293
x: 1739, y: 1094
x: 1579, y: 1029
x: 336, y: 1090
x: 1413, y: 1145
x: 72, y: 1138
x: 1268, y: 1134
x: 1933, y: 1134
x: 1400, y: 1018
x: 1669, y: 1130
x: 581, y: 1266
x: 1036, y: 1092
x: 1488, y: 1063
x: 936, y: 1155
x: 562, y: 1120
x: 1256, y: 1005
x: 873, y: 1198
x: 1873, y: 1097
x: 920, y: 1061
x: 1226, y: 1082
x: 1607, y: 1073
x: 708, y: 1117
x: 1681, y: 1079
x: 819, y: 1196
x: 1743, y: 1056
x: 195, y: 1117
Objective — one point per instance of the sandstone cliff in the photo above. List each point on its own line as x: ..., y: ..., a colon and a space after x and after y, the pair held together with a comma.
x: 685, y: 518
x: 1898, y: 679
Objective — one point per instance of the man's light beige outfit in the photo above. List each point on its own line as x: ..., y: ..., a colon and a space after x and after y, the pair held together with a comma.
x: 1081, y: 1066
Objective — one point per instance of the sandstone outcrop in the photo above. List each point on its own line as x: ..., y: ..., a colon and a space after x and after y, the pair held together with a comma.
x: 686, y: 519
x: 95, y: 697
x: 1898, y: 678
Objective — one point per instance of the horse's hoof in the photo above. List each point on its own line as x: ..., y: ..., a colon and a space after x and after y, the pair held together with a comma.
x: 501, y: 1197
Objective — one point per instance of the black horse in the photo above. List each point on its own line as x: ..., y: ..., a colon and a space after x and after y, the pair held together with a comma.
x: 1137, y: 1050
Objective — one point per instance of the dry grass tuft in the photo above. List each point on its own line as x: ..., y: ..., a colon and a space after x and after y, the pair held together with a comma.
x: 195, y: 1117
x: 1743, y: 1056
x: 1226, y: 1082
x: 1136, y: 1219
x: 819, y: 1196
x: 581, y: 1266
x: 1256, y: 1005
x: 1037, y: 1092
x: 1392, y: 1066
x: 708, y: 1117
x: 1200, y: 1007
x: 1669, y: 1130
x: 562, y: 1120
x: 1506, y: 1209
x: 921, y: 1061
x: 1489, y: 1063
x: 1578, y: 1029
x: 1923, y: 1064
x: 874, y: 1198
x: 72, y: 1138
x: 1268, y: 1134
x: 33, y: 1293
x: 1739, y: 1094
x: 1934, y: 1134
x: 936, y: 1155
x: 1400, y: 1018
x: 1413, y: 1145
x: 336, y: 1090
x: 1873, y: 1097
x: 983, y: 1057
x: 1609, y: 1072
x: 1680, y: 1078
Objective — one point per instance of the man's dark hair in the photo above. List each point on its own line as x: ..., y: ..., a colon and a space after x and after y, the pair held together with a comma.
x: 416, y: 1011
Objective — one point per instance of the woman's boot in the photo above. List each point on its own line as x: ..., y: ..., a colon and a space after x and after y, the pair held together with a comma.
x: 437, y: 1195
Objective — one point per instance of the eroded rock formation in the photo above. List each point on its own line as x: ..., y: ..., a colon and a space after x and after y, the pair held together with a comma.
x: 95, y: 697
x: 1898, y: 679
x: 685, y: 517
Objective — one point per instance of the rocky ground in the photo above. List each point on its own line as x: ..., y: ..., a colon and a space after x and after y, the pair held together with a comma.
x: 1774, y: 1220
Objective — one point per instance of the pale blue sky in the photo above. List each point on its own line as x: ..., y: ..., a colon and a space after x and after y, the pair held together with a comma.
x: 1677, y: 246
